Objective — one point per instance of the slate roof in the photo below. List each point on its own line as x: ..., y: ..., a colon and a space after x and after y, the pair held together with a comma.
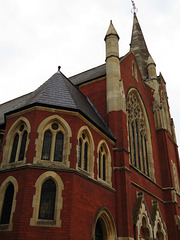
x: 58, y: 92
x: 89, y: 75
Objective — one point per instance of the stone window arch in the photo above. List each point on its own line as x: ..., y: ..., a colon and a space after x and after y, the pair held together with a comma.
x: 103, y: 226
x: 85, y: 151
x: 139, y: 134
x: 144, y: 228
x: 159, y: 230
x: 8, y: 192
x: 44, y: 213
x: 104, y: 162
x: 53, y: 142
x: 175, y: 176
x: 17, y: 141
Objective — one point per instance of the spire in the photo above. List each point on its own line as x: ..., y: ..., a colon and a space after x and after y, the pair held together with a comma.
x: 139, y: 48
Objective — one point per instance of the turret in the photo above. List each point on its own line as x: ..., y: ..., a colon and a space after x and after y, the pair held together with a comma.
x: 114, y: 85
x: 151, y: 68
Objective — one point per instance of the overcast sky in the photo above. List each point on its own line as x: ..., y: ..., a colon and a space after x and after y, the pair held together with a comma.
x: 39, y: 35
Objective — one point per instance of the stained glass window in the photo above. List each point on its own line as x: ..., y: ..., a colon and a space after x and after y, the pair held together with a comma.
x: 14, y: 148
x: 85, y: 155
x: 47, y: 202
x: 46, y: 150
x: 58, y: 152
x: 7, y: 205
x: 137, y: 134
x: 23, y: 146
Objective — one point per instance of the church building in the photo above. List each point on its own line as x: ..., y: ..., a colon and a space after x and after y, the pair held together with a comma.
x: 93, y: 156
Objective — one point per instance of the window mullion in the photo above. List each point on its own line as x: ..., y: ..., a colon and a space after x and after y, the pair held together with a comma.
x: 18, y: 147
x: 102, y: 166
x: 82, y: 155
x: 53, y: 146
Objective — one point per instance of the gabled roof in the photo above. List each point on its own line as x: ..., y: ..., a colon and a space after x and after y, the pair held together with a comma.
x: 139, y: 48
x: 89, y: 75
x: 58, y: 92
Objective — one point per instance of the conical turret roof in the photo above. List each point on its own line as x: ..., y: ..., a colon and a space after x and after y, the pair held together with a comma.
x: 139, y: 48
x: 111, y: 31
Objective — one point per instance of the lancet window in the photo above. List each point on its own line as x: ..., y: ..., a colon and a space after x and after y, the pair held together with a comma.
x: 7, y: 205
x: 102, y: 157
x: 83, y: 151
x: 138, y: 136
x: 19, y: 144
x: 53, y: 142
x: 47, y: 201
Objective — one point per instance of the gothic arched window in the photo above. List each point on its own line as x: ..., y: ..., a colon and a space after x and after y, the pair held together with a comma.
x: 7, y: 204
x: 102, y: 157
x: 139, y: 140
x: 47, y: 201
x: 53, y: 143
x: 19, y: 144
x: 83, y: 151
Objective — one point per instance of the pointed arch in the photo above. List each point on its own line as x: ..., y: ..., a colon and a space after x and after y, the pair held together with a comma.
x: 142, y: 218
x: 85, y: 151
x: 104, y: 162
x: 53, y: 143
x: 51, y: 218
x: 105, y: 220
x: 17, y: 141
x: 159, y: 229
x: 140, y: 147
x: 7, y: 224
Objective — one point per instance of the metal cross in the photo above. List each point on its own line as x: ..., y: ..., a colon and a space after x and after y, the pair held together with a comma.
x: 134, y: 9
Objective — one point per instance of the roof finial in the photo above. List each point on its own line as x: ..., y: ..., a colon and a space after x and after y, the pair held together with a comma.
x: 134, y: 9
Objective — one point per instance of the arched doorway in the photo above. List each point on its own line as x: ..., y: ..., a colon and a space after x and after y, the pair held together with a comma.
x: 103, y: 226
x: 99, y: 231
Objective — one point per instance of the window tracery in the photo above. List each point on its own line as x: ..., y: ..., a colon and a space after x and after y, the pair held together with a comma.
x: 19, y: 144
x: 85, y: 151
x: 53, y: 142
x: 139, y: 142
x: 16, y: 143
x: 104, y: 162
